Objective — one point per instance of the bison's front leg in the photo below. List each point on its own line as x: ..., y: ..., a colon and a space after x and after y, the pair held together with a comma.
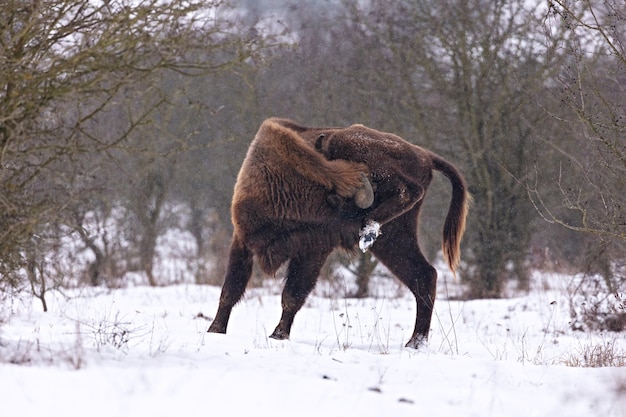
x: 301, y: 277
x: 393, y: 198
x: 237, y: 277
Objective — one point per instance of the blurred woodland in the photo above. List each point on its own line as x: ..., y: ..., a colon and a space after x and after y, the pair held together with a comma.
x: 123, y: 124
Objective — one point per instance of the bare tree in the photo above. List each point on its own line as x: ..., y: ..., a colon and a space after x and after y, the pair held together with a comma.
x: 584, y: 190
x: 63, y: 66
x: 591, y: 88
x: 467, y: 70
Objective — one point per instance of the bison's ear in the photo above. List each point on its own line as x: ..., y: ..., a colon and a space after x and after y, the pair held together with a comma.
x: 364, y: 196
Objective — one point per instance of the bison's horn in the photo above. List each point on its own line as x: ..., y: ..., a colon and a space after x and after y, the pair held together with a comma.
x: 364, y: 197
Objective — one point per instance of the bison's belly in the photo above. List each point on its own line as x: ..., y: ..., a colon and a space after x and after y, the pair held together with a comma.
x: 273, y: 246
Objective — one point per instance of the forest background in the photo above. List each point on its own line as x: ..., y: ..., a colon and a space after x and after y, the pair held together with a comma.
x: 122, y: 122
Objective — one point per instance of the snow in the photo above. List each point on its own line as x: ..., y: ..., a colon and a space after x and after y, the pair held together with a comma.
x: 145, y: 351
x: 368, y: 235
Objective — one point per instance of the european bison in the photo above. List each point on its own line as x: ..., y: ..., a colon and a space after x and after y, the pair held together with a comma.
x: 301, y: 192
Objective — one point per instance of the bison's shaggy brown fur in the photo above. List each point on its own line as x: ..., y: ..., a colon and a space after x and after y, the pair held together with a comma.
x: 295, y: 200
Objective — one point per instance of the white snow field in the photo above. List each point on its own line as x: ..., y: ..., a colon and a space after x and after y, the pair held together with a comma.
x: 144, y: 351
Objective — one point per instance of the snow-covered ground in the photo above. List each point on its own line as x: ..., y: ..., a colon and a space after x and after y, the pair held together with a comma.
x: 144, y: 352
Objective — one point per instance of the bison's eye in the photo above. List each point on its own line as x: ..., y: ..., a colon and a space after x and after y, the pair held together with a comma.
x: 320, y: 142
x: 334, y: 200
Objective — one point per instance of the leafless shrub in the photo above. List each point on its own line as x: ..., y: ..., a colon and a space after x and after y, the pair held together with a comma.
x: 597, y: 304
x: 115, y: 332
x: 597, y: 355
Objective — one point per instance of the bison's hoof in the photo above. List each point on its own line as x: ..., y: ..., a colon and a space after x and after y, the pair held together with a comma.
x: 368, y: 235
x: 216, y: 328
x: 279, y: 335
x: 417, y: 342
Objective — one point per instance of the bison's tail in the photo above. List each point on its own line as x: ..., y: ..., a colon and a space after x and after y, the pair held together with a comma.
x: 454, y: 226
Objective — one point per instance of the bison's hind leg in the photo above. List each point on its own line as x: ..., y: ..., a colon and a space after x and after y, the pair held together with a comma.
x: 237, y: 276
x: 301, y: 278
x: 398, y: 250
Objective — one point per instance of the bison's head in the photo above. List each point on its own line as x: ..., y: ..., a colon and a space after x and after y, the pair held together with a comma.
x: 364, y: 195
